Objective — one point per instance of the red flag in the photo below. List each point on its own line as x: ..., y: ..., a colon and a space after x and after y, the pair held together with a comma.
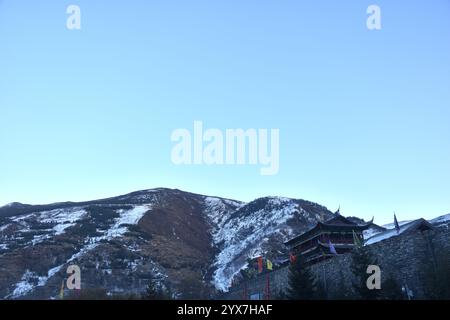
x: 292, y: 258
x: 260, y: 264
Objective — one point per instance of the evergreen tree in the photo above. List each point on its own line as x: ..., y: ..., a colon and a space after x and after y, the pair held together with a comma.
x: 391, y: 290
x: 88, y: 294
x: 281, y: 295
x: 301, y: 282
x: 320, y: 292
x: 192, y: 288
x: 343, y: 292
x: 437, y: 275
x: 157, y: 291
x: 443, y: 271
x: 361, y: 259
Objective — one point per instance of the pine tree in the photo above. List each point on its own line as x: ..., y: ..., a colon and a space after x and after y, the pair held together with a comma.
x: 88, y: 294
x: 361, y: 259
x: 343, y: 292
x: 301, y: 282
x: 191, y: 287
x: 437, y: 274
x: 391, y: 290
x: 320, y: 292
x: 281, y: 295
x: 443, y: 270
x: 157, y: 291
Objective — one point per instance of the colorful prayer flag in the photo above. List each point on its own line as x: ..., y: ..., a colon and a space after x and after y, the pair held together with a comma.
x: 61, y: 292
x: 269, y: 265
x: 332, y: 248
x: 356, y: 240
x: 260, y: 264
x: 292, y: 258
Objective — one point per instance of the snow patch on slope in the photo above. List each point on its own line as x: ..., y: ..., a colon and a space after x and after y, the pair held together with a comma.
x: 219, y: 210
x: 60, y: 218
x: 127, y: 217
x: 244, y: 236
x: 24, y: 286
x: 64, y: 218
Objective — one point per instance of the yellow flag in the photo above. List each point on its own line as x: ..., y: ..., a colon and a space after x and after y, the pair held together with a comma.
x: 61, y: 292
x: 269, y: 265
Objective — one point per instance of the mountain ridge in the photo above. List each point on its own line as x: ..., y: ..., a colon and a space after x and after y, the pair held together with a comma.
x: 122, y: 242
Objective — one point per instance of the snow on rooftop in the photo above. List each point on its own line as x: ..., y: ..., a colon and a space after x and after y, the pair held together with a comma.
x: 441, y: 220
x: 404, y: 226
x: 369, y: 233
x: 400, y: 223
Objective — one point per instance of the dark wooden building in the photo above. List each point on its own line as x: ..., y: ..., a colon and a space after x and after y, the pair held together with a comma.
x: 328, y: 238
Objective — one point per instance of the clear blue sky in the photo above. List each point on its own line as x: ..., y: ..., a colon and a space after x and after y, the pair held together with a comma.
x: 364, y: 116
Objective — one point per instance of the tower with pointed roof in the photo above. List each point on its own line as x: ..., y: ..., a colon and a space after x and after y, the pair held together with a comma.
x: 338, y: 232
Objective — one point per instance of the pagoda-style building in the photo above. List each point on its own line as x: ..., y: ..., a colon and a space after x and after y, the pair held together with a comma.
x: 326, y: 239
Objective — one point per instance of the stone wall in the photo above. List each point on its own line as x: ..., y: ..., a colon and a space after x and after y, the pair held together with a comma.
x: 402, y: 256
x: 277, y: 281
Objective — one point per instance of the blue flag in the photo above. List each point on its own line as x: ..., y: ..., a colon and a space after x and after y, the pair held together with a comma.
x: 397, y: 226
x: 332, y: 248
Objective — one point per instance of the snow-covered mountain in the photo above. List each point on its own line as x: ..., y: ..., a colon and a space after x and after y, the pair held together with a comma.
x: 122, y: 242
x: 254, y: 228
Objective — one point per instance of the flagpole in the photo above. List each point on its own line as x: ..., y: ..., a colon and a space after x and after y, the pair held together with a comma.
x: 324, y: 278
x: 268, y: 286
